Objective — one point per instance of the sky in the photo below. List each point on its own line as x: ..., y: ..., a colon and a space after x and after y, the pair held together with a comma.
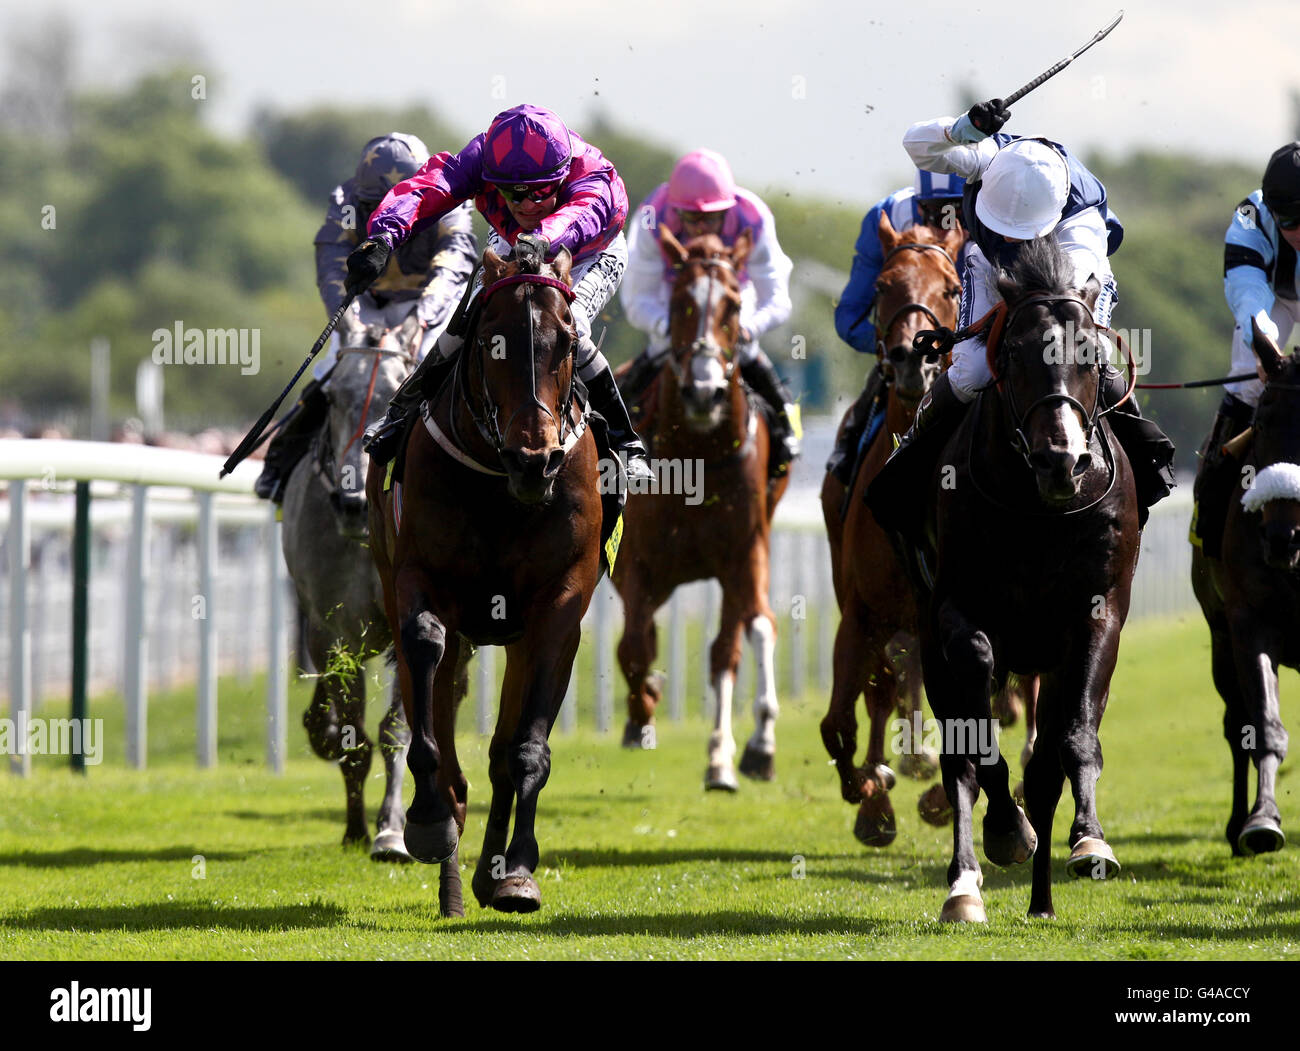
x: 804, y: 95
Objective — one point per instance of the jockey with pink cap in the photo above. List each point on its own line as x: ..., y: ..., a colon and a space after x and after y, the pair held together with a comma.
x: 540, y: 187
x: 701, y: 197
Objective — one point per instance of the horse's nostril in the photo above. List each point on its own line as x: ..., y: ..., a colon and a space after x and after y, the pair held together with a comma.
x: 898, y: 355
x: 554, y: 462
x: 1083, y: 464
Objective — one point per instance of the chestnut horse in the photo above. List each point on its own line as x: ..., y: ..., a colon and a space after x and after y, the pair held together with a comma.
x: 1027, y: 564
x: 876, y: 651
x: 1251, y: 599
x: 491, y: 536
x: 703, y: 414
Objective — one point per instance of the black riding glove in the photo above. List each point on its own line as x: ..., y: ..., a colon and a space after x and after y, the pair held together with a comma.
x: 367, y: 261
x: 989, y: 117
x: 531, y: 249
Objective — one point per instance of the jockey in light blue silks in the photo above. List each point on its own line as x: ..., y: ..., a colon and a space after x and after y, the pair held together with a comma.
x: 932, y: 200
x: 1262, y: 284
x: 427, y: 276
x: 541, y: 188
x: 701, y: 197
x: 1018, y: 189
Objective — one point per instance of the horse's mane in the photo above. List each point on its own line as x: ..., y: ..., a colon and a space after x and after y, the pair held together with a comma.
x: 1041, y: 265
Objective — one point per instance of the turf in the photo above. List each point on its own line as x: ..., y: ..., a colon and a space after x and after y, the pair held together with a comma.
x: 637, y: 861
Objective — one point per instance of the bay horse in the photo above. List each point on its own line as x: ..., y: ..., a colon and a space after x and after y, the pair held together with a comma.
x: 338, y: 589
x: 1030, y: 546
x: 490, y: 535
x: 703, y: 414
x: 876, y: 652
x: 1250, y: 597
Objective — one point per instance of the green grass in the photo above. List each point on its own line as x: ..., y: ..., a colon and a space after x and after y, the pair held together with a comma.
x: 637, y: 861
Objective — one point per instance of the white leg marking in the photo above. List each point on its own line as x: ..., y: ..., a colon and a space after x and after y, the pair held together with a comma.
x: 762, y: 638
x: 967, y: 883
x: 722, y: 746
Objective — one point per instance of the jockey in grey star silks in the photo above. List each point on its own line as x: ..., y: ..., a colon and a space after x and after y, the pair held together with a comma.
x: 427, y: 275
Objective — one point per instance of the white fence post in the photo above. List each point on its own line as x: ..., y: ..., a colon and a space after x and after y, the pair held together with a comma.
x: 20, y: 637
x: 207, y: 707
x: 136, y: 648
x: 676, y: 657
x: 486, y: 686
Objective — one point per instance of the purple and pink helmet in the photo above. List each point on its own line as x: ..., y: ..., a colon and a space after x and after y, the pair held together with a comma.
x: 526, y: 144
x: 702, y: 182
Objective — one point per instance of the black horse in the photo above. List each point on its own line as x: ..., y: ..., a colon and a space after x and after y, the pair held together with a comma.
x: 1025, y: 566
x: 1250, y: 596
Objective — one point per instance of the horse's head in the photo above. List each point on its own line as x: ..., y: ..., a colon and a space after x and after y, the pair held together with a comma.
x: 704, y: 322
x: 520, y: 376
x: 1275, y: 491
x: 371, y: 364
x: 1047, y: 366
x: 918, y: 288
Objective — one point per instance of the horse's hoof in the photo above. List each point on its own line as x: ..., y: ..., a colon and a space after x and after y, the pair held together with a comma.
x: 1092, y: 858
x: 720, y: 778
x: 389, y: 846
x: 1261, y: 835
x: 517, y: 894
x: 431, y: 844
x: 920, y: 766
x: 755, y: 764
x: 934, y: 806
x: 875, y: 826
x: 638, y: 736
x: 963, y: 908
x: 1010, y: 848
x: 1046, y: 914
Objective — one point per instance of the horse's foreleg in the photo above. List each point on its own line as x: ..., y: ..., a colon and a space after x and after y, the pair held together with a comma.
x: 724, y: 658
x: 356, y: 748
x: 394, y: 739
x: 1234, y: 731
x: 904, y: 652
x: 636, y: 652
x: 759, y: 758
x: 431, y: 834
x: 968, y: 730
x: 548, y: 656
x: 1044, y: 779
x: 875, y: 824
x: 1263, y: 735
x: 492, y: 859
x: 839, y: 727
x: 449, y: 688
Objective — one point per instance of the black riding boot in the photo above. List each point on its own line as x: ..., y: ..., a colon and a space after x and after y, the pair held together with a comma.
x: 291, y: 441
x: 762, y: 378
x: 845, y: 454
x: 623, y: 438
x: 896, y: 495
x: 1218, y: 476
x: 637, y: 379
x: 1148, y: 448
x: 381, y: 439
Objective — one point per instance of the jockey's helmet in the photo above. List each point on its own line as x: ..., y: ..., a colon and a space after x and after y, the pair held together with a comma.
x: 702, y: 182
x: 1024, y: 190
x: 525, y: 145
x: 385, y: 162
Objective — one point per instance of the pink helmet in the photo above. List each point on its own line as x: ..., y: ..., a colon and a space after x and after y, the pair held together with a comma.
x: 702, y: 182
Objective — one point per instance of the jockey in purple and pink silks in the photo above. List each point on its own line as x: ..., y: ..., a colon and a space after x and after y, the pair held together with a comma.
x: 541, y: 188
x: 701, y: 197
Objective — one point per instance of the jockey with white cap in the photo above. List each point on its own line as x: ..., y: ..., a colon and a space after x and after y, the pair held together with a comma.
x: 1019, y: 189
x: 701, y: 197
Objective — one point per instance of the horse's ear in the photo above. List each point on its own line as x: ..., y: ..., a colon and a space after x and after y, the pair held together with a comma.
x: 562, y: 264
x: 1270, y: 358
x: 888, y: 235
x: 672, y: 247
x: 494, y: 267
x: 1091, y: 291
x: 1008, y: 286
x: 953, y: 240
x: 741, y: 249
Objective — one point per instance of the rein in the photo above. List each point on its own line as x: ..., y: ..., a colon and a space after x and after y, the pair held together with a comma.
x: 908, y: 308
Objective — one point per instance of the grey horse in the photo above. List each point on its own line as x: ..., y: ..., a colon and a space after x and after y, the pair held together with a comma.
x: 326, y: 552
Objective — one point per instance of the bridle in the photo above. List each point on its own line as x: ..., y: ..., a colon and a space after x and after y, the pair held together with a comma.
x: 703, y: 343
x: 907, y: 308
x: 485, y: 413
x: 327, y: 464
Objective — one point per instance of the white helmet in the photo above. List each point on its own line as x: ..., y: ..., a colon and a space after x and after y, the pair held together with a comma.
x: 1024, y: 189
